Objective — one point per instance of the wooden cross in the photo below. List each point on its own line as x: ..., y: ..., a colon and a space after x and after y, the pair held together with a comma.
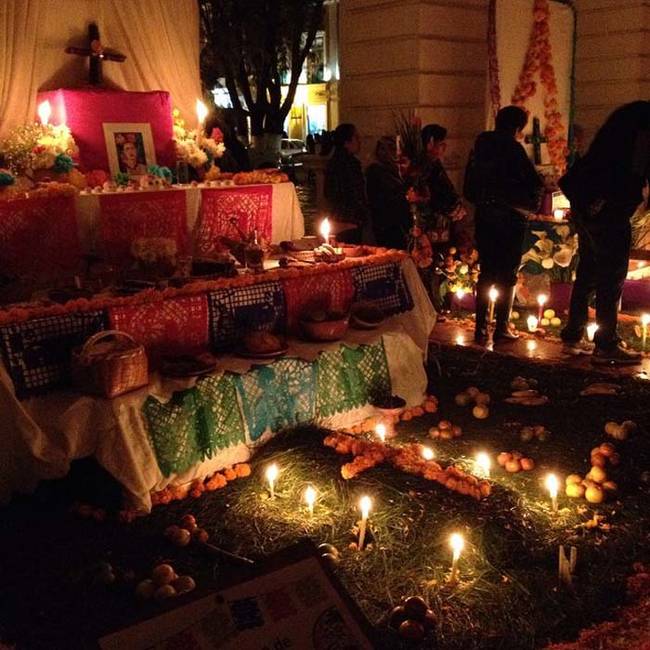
x: 536, y: 139
x: 96, y: 54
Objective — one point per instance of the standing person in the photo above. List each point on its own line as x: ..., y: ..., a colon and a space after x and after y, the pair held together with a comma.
x: 605, y: 188
x: 504, y: 185
x: 389, y: 210
x: 345, y: 188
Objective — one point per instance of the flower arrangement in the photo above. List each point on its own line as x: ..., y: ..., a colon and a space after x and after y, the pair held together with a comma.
x: 39, y: 146
x: 460, y: 270
x: 554, y: 253
x: 539, y: 59
x: 198, y: 152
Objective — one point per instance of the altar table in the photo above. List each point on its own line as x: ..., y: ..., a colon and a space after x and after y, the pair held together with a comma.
x: 174, y: 431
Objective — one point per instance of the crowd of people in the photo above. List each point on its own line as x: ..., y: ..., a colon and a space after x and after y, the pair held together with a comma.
x: 605, y: 186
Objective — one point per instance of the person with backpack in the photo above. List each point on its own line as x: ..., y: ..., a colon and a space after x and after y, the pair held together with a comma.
x: 605, y: 188
x: 503, y: 184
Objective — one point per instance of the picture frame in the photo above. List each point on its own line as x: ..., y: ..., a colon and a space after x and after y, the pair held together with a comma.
x: 129, y: 146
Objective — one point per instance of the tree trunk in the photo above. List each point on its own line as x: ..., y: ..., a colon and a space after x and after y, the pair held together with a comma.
x: 265, y: 151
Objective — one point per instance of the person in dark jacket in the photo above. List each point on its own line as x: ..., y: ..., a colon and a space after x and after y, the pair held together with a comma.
x: 504, y: 185
x: 389, y: 209
x: 345, y: 187
x: 605, y: 188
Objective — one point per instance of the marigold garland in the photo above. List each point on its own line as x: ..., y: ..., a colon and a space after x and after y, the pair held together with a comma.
x: 539, y: 59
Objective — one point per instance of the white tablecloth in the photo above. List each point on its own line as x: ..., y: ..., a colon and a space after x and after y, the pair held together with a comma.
x: 287, y: 220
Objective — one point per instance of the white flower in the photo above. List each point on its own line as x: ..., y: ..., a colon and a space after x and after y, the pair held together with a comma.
x: 563, y: 256
x: 548, y: 263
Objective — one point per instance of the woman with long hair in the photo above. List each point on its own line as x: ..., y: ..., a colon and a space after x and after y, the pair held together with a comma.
x: 605, y: 188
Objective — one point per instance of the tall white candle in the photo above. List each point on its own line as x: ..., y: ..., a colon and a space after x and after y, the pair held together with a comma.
x: 271, y: 476
x: 44, y: 112
x: 552, y: 485
x: 591, y: 331
x: 201, y: 114
x: 380, y: 431
x: 542, y: 299
x: 325, y: 230
x: 492, y: 295
x: 310, y: 498
x: 364, y: 504
x: 457, y: 543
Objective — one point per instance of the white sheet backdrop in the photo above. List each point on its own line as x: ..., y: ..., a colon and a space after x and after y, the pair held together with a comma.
x: 159, y: 37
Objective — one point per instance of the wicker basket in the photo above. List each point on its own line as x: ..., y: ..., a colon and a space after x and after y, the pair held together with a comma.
x: 110, y: 371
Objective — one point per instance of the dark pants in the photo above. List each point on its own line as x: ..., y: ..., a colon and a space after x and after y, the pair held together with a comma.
x: 604, y: 250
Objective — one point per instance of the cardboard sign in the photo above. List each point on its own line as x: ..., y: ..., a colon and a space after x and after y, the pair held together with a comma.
x: 292, y: 604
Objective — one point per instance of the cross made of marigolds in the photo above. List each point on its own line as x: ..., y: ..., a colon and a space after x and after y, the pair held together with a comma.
x: 536, y: 139
x: 96, y: 54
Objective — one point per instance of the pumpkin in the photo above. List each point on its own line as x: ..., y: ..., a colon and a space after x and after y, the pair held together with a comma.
x: 480, y: 412
x: 513, y: 465
x: 503, y: 458
x: 527, y: 464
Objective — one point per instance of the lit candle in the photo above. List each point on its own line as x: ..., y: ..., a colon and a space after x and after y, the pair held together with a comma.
x: 201, y: 114
x: 645, y: 321
x: 271, y: 476
x: 427, y: 453
x: 364, y: 504
x: 493, y: 295
x: 310, y: 498
x: 325, y: 230
x: 460, y: 340
x: 457, y: 544
x: 44, y: 111
x: 552, y: 485
x: 460, y: 294
x: 542, y: 299
x: 591, y: 331
x: 558, y: 215
x: 483, y: 464
x: 533, y: 323
x: 380, y: 431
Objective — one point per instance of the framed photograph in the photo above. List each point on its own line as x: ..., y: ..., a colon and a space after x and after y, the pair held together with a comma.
x: 130, y: 147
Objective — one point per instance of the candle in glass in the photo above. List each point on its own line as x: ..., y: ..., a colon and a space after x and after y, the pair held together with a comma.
x: 532, y: 323
x: 364, y: 504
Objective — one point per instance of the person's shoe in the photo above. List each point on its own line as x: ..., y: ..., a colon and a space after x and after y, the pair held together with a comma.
x: 577, y: 348
x: 505, y: 336
x: 616, y: 356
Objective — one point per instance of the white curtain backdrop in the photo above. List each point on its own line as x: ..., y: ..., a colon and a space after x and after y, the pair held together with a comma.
x: 514, y: 20
x: 160, y: 39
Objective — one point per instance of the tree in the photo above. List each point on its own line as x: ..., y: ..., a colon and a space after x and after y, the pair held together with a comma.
x: 252, y: 44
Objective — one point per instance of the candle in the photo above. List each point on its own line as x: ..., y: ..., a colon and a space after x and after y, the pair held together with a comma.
x: 493, y: 295
x: 457, y: 544
x: 310, y: 498
x: 558, y: 214
x: 44, y: 111
x: 460, y: 340
x: 541, y: 301
x: 271, y: 476
x: 364, y: 504
x: 380, y: 431
x: 483, y: 464
x: 591, y: 331
x: 645, y: 321
x: 427, y: 453
x: 552, y: 485
x: 325, y: 230
x: 532, y: 322
x: 201, y: 114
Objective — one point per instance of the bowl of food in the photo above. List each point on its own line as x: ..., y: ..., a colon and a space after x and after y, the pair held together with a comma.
x: 324, y: 325
x: 262, y: 345
x: 366, y: 317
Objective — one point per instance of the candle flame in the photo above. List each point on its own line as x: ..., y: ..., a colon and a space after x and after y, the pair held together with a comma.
x: 460, y: 294
x: 558, y: 214
x: 483, y: 463
x: 532, y: 322
x: 591, y: 331
x: 365, y: 503
x: 44, y: 112
x: 325, y: 229
x: 542, y: 299
x: 460, y: 340
x: 380, y: 430
x: 310, y: 496
x: 493, y: 294
x: 201, y: 111
x: 457, y: 543
x: 272, y: 472
x: 427, y: 453
x: 552, y: 484
x: 645, y: 319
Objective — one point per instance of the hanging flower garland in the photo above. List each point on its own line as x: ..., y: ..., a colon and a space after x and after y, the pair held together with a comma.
x: 539, y: 59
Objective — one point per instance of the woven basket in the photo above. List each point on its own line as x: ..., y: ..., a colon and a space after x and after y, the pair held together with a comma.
x: 110, y: 372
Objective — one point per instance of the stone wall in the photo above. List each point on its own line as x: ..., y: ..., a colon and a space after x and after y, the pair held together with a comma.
x: 613, y: 57
x: 428, y: 55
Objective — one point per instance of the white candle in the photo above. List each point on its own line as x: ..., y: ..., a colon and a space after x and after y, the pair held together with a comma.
x: 380, y: 431
x: 271, y: 476
x: 492, y: 295
x: 645, y: 321
x: 44, y: 112
x: 552, y: 485
x: 364, y: 504
x: 533, y: 323
x: 460, y: 339
x: 310, y: 498
x: 483, y: 464
x: 325, y: 230
x: 201, y: 114
x: 427, y: 453
x: 457, y: 544
x: 591, y: 331
x: 542, y: 299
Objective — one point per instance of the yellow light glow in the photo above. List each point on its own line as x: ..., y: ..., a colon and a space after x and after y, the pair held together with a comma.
x: 533, y: 323
x: 493, y: 294
x: 460, y: 294
x: 428, y: 453
x: 645, y: 319
x: 365, y: 504
x: 531, y: 346
x: 380, y: 431
x: 460, y: 340
x: 44, y: 112
x: 591, y: 331
x: 558, y: 215
x: 457, y: 543
x: 310, y: 498
x: 552, y: 484
x: 201, y: 111
x: 325, y: 230
x: 483, y: 463
x: 542, y: 299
